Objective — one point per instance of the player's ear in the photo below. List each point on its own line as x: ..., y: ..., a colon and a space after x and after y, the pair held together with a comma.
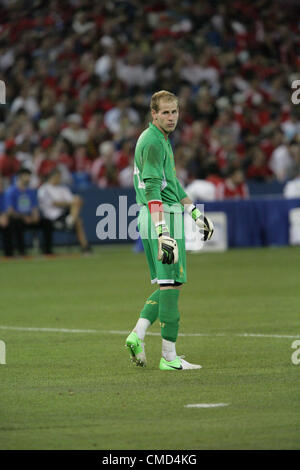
x: 153, y: 114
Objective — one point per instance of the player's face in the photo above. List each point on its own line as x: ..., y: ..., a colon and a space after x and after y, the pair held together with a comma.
x: 167, y: 116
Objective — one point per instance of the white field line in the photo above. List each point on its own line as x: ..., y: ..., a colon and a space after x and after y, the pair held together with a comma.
x: 205, y: 405
x: 125, y: 332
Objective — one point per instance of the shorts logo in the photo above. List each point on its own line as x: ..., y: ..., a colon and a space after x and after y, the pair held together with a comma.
x: 151, y: 302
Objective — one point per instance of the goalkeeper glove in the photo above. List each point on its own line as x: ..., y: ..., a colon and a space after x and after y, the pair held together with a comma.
x: 167, y: 246
x: 204, y: 223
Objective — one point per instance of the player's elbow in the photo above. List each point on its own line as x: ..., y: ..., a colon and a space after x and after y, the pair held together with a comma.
x: 153, y: 189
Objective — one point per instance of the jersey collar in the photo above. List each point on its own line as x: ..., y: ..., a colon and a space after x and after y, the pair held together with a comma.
x: 158, y: 131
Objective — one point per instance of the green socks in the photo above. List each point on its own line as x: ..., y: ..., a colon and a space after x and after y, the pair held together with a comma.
x: 150, y: 310
x: 163, y: 304
x: 169, y: 314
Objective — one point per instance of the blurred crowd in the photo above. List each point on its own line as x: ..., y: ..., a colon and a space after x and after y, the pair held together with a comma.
x: 79, y: 75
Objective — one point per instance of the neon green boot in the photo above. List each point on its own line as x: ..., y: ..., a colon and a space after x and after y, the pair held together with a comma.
x: 177, y: 364
x: 136, y: 348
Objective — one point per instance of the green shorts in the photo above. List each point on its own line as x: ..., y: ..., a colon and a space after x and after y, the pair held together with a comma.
x: 163, y: 273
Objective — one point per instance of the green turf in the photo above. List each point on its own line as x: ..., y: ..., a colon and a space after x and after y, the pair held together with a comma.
x: 80, y: 391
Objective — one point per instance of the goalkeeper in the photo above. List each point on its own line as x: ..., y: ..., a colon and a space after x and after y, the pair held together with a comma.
x: 162, y: 198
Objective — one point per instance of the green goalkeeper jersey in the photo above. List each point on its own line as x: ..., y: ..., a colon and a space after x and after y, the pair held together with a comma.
x: 154, y: 170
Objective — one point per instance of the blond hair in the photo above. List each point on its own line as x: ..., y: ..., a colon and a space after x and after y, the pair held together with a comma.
x: 161, y: 95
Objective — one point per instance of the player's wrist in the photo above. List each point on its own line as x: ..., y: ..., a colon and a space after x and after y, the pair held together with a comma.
x: 194, y: 212
x: 162, y: 229
x: 155, y: 206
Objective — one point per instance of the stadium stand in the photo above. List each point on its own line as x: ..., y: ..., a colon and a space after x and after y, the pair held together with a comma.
x: 79, y: 73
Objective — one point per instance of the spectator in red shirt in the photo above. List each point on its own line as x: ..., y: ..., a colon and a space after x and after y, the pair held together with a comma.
x: 50, y: 159
x: 123, y: 155
x: 258, y: 170
x: 214, y: 176
x: 82, y: 161
x: 9, y: 164
x: 234, y: 184
x: 97, y: 133
x: 104, y: 171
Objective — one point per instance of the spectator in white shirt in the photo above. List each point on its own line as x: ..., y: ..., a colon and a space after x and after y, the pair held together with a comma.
x: 133, y: 72
x: 201, y: 190
x: 61, y: 209
x: 292, y: 188
x: 74, y: 133
x: 81, y: 24
x: 121, y: 115
x: 281, y: 161
x: 291, y: 127
x: 105, y: 64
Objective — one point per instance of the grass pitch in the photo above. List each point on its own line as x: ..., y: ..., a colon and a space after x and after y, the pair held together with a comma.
x: 78, y: 390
